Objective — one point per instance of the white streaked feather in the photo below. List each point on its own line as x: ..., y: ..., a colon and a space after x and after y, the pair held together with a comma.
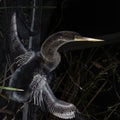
x: 25, y: 58
x: 37, y: 88
x: 63, y: 110
x: 58, y: 108
x: 68, y: 115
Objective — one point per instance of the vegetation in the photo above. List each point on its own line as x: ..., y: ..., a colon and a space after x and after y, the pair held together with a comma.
x: 89, y: 78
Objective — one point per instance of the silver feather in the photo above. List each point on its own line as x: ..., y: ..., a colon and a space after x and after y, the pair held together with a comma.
x: 25, y: 58
x: 42, y: 91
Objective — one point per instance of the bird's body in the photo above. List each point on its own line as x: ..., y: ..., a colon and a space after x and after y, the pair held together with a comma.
x: 36, y: 87
x: 33, y: 70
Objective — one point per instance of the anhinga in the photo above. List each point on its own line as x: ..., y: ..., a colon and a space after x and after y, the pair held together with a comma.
x: 34, y: 67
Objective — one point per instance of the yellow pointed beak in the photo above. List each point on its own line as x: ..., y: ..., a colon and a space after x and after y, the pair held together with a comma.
x: 87, y: 39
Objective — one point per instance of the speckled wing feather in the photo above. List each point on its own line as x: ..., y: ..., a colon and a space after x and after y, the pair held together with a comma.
x: 25, y: 58
x: 58, y: 107
x: 42, y: 91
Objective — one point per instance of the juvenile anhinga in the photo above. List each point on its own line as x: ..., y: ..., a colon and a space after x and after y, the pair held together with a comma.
x: 34, y: 67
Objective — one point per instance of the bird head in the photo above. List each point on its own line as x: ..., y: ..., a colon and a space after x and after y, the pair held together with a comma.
x: 70, y: 36
x: 49, y: 49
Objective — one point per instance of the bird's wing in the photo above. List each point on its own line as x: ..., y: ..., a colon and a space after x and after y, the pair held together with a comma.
x: 58, y: 107
x: 16, y: 44
x: 25, y: 58
x: 21, y: 78
x: 42, y: 93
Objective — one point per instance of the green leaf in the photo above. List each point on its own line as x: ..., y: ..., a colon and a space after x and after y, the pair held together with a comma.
x: 10, y: 88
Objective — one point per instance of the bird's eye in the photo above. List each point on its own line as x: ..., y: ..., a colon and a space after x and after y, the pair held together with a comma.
x: 77, y: 38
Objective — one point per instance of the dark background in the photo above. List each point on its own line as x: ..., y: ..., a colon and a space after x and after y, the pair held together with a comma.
x: 89, y: 18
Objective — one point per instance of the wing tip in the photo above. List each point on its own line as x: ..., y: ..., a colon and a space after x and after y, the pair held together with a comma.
x: 69, y: 115
x: 63, y: 110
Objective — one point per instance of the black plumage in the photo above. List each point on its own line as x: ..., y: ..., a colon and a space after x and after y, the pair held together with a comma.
x: 34, y: 67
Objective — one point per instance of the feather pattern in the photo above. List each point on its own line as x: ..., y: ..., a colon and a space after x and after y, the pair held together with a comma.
x: 42, y: 91
x: 36, y: 85
x: 25, y: 58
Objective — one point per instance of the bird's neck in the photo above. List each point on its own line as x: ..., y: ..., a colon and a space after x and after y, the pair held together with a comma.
x: 49, y: 50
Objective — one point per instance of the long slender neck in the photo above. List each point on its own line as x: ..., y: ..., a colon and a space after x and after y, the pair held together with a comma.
x: 52, y: 44
x: 50, y: 47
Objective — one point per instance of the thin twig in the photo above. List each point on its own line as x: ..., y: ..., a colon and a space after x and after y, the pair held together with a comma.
x: 5, y: 74
x: 26, y: 105
x: 28, y: 7
x: 114, y: 109
x: 95, y: 95
x: 32, y: 23
x: 25, y: 111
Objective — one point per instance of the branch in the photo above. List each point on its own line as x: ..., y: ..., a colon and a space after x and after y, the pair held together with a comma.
x: 32, y: 23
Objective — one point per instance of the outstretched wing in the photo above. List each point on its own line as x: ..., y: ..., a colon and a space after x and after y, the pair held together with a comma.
x: 41, y: 92
x: 58, y: 107
x: 23, y: 76
x: 16, y: 44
